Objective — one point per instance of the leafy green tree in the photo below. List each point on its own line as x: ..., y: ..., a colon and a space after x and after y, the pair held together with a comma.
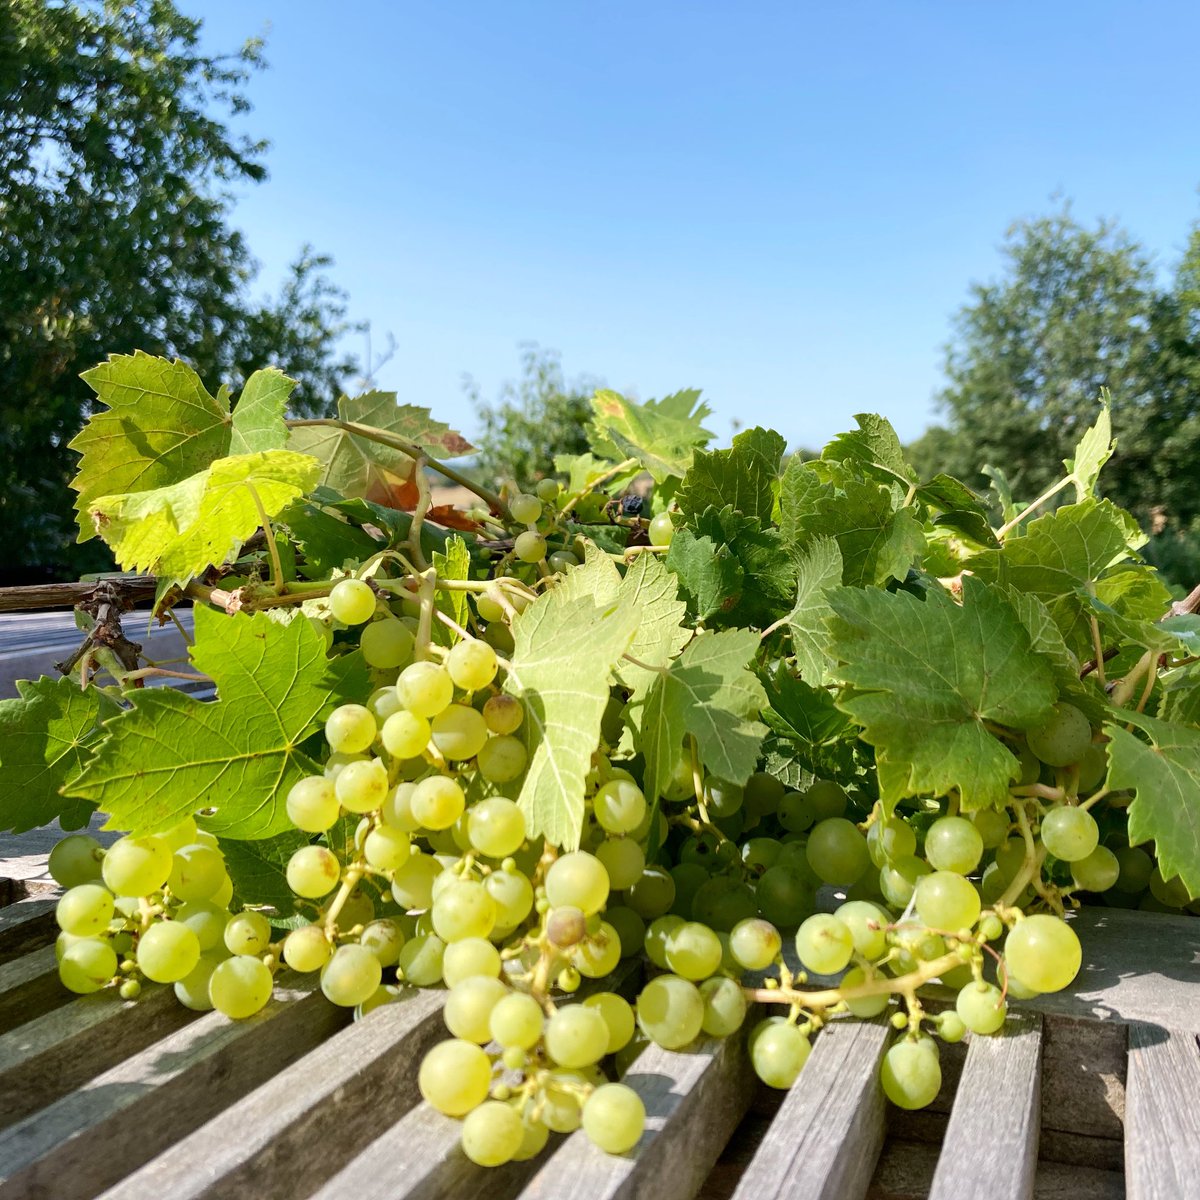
x: 532, y: 420
x: 116, y: 171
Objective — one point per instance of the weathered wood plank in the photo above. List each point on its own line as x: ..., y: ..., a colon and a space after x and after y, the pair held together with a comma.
x: 26, y: 925
x: 91, y: 1138
x: 694, y: 1101
x: 991, y: 1146
x: 826, y: 1137
x: 293, y: 1131
x: 29, y: 986
x: 1083, y: 1076
x: 46, y: 1057
x: 1162, y: 1115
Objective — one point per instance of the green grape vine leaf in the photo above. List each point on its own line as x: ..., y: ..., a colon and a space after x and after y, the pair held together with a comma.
x: 258, y: 869
x: 46, y: 734
x: 661, y: 434
x: 1095, y: 448
x: 875, y: 448
x: 925, y: 677
x: 957, y: 508
x: 565, y: 651
x: 452, y: 563
x: 584, y: 471
x: 171, y: 755
x: 818, y: 568
x: 744, y: 477
x: 1165, y: 776
x: 710, y: 692
x: 326, y: 541
x: 160, y: 426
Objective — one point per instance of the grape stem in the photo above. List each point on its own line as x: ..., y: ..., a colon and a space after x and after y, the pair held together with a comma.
x: 354, y: 873
x: 1048, y: 494
x: 424, y: 500
x: 1098, y: 650
x: 425, y: 594
x: 277, y: 581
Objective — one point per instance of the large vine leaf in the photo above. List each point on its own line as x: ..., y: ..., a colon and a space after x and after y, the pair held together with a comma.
x: 927, y: 675
x: 708, y: 572
x: 565, y: 650
x: 710, y: 692
x: 357, y: 466
x: 160, y: 426
x: 875, y: 448
x: 178, y: 530
x: 171, y: 755
x: 661, y: 434
x: 45, y: 738
x: 745, y: 477
x: 818, y: 569
x: 1166, y: 778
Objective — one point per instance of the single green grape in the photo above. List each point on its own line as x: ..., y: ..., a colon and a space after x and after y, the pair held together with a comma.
x: 240, y: 986
x: 75, y: 859
x: 247, y: 934
x: 306, y: 949
x: 85, y: 910
x: 502, y: 759
x: 619, y: 805
x: 954, y: 844
x: 724, y: 1006
x: 1098, y: 871
x: 867, y: 924
x: 192, y: 990
x: 1070, y: 833
x: 614, y: 1118
x: 405, y: 735
x: 547, y: 490
x: 492, y: 1134
x: 825, y: 944
x: 206, y: 920
x: 362, y: 786
x: 947, y: 901
x: 313, y: 871
x: 469, y: 1004
x: 670, y: 1011
x: 421, y: 960
x: 437, y: 802
x: 618, y: 1017
x: 312, y: 804
x: 516, y: 1020
x: 197, y: 871
x: 352, y: 601
x: 693, y: 951
x: 503, y: 714
x: 778, y: 1052
x: 87, y: 965
x: 464, y: 909
x: 631, y: 929
x: 1062, y: 739
x: 136, y: 866
x: 755, y: 943
x: 425, y: 688
x: 496, y: 827
x: 837, y: 852
x: 351, y: 975
x: 577, y: 879
x: 412, y: 883
x: 469, y: 957
x: 576, y: 1036
x: 525, y: 509
x: 471, y: 664
x: 386, y: 644
x: 981, y: 1007
x: 661, y: 530
x: 1043, y: 952
x: 623, y: 860
x: 455, y: 1077
x: 911, y: 1074
x: 459, y: 732
x: 530, y: 547
x: 863, y: 1007
x: 653, y: 894
x: 167, y: 951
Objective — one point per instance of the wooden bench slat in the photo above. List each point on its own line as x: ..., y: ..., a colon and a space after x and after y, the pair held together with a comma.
x: 48, y: 1056
x: 991, y: 1145
x: 694, y: 1100
x: 824, y: 1141
x: 30, y: 986
x: 25, y: 926
x: 1162, y: 1114
x: 294, y: 1130
x: 91, y: 1138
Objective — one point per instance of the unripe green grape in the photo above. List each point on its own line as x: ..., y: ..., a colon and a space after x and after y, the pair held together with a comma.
x: 953, y: 844
x: 525, y: 509
x: 167, y: 951
x: 496, y: 827
x: 397, y: 812
x: 516, y: 1021
x: 619, y: 805
x: 313, y: 871
x: 981, y: 1007
x: 530, y: 547
x: 890, y: 839
x: 386, y: 644
x: 206, y: 920
x: 950, y: 1026
x: 1010, y: 857
x: 1044, y: 952
x: 911, y: 1075
x: 618, y: 1018
x: 547, y: 489
x: 863, y: 1007
x: 898, y: 880
x: 351, y: 976
x: 358, y: 909
x: 724, y: 1006
x: 437, y: 802
x: 75, y: 860
x: 386, y: 848
x: 631, y: 929
x: 489, y: 608
x: 492, y: 1134
x: 192, y: 990
x: 1172, y: 893
x: 993, y: 826
x: 247, y: 934
x: 867, y: 925
x: 826, y: 799
x: 947, y: 901
x: 503, y: 714
x: 425, y: 688
x: 240, y: 986
x: 312, y: 804
x: 1093, y: 767
x: 784, y: 898
x: 421, y: 960
x: 614, y: 1118
x: 722, y: 902
x: 778, y: 1052
x: 459, y: 732
x: 837, y: 852
x: 598, y: 954
x: 825, y: 944
x: 562, y: 1109
x: 661, y: 530
x: 512, y: 894
x: 465, y: 909
x: 502, y: 759
x: 561, y: 560
x: 576, y: 1036
x: 653, y: 894
x: 224, y: 894
x: 1062, y: 739
x: 471, y: 664
x: 1136, y: 867
x: 336, y: 763
x: 1070, y: 833
x: 469, y: 1004
x: 794, y: 812
x: 623, y: 860
x: 383, y: 703
x: 197, y: 871
x: 759, y: 854
x: 412, y: 883
x: 362, y: 786
x: 85, y: 910
x: 657, y: 935
x: 455, y: 1077
x: 405, y: 735
x: 755, y: 943
x: 306, y: 949
x: 350, y: 729
x: 693, y: 951
x: 762, y: 794
x: 670, y: 1011
x: 577, y: 879
x: 352, y: 601
x: 87, y: 965
x: 136, y: 866
x: 468, y: 957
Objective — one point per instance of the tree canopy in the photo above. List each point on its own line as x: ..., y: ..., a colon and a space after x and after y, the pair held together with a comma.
x: 116, y: 169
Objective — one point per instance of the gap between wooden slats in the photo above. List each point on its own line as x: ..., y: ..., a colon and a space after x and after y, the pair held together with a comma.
x: 46, y: 1057
x: 825, y: 1139
x: 1162, y: 1114
x: 29, y: 986
x: 991, y: 1146
x: 292, y: 1132
x: 25, y: 926
x: 89, y: 1139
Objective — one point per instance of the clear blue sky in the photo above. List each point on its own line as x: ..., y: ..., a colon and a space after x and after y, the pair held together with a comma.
x: 782, y: 204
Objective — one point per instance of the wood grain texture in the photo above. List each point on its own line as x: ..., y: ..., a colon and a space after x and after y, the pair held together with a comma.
x: 826, y: 1137
x: 94, y: 1136
x: 29, y: 986
x: 25, y: 926
x: 694, y: 1100
x: 991, y: 1146
x: 46, y: 1057
x: 1162, y: 1116
x: 298, y: 1128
